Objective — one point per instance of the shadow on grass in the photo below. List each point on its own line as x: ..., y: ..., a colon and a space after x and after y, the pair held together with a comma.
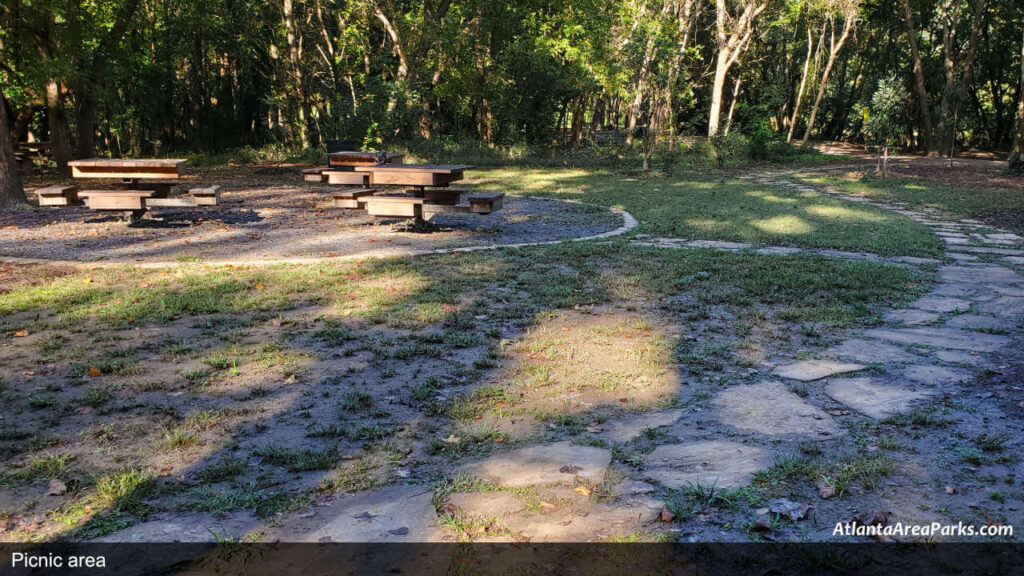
x: 351, y: 371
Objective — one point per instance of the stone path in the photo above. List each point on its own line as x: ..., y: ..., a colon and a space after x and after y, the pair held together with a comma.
x: 932, y: 347
x: 570, y: 491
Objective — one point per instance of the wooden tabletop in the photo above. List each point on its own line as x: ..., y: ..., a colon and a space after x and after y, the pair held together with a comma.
x: 128, y: 163
x: 431, y: 168
x: 134, y: 169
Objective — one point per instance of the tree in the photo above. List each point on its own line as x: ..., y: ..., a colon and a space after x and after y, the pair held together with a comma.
x: 848, y: 10
x: 882, y: 122
x: 1016, y: 159
x: 11, y: 191
x: 93, y: 76
x: 732, y: 35
x: 922, y: 90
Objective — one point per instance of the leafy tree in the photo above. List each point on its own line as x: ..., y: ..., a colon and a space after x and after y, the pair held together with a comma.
x: 883, y: 121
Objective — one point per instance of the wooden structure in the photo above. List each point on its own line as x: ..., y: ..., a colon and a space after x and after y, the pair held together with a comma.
x: 144, y: 184
x: 341, y: 167
x: 428, y: 192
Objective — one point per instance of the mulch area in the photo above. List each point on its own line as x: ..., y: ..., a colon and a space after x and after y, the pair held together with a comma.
x: 269, y: 213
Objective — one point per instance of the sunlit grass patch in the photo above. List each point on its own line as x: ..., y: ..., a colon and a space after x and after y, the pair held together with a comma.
x: 717, y: 206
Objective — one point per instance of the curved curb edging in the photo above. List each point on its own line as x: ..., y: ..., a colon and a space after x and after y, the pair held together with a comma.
x: 628, y: 224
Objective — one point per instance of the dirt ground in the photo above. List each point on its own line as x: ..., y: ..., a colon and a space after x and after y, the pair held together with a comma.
x: 269, y: 213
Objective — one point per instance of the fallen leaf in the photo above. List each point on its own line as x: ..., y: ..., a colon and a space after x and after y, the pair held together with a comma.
x: 94, y: 371
x: 826, y: 492
x: 594, y: 429
x: 83, y: 410
x: 666, y: 515
x: 950, y: 490
x: 582, y: 490
x: 872, y: 518
x: 57, y: 488
x: 87, y: 281
x: 789, y: 509
x: 569, y: 469
x: 452, y: 439
x: 547, y: 505
x: 21, y: 334
x: 258, y: 286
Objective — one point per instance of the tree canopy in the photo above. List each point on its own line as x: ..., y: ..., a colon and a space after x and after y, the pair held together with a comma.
x: 148, y: 77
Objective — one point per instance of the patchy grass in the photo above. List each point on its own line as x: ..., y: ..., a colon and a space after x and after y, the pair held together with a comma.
x: 1000, y: 205
x: 333, y: 377
x: 715, y: 206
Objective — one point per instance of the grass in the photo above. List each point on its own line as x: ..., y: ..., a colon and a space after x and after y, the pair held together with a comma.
x: 452, y: 313
x: 1004, y: 204
x: 716, y: 206
x: 299, y: 460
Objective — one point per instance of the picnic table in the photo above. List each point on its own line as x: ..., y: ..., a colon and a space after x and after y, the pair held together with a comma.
x: 428, y: 196
x: 341, y: 166
x: 145, y: 183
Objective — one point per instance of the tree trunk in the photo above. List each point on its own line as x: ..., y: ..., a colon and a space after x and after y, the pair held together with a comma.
x: 295, y: 59
x: 729, y: 45
x: 1016, y: 160
x: 922, y: 89
x: 59, y: 143
x: 11, y: 192
x: 803, y: 84
x: 95, y: 77
x: 833, y: 52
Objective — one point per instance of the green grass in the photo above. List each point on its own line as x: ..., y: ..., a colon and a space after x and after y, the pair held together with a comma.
x: 805, y: 288
x: 1005, y: 206
x: 716, y: 206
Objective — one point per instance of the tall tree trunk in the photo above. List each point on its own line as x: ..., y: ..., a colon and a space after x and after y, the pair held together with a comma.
x: 732, y: 36
x: 835, y: 47
x: 11, y: 191
x: 94, y: 77
x: 922, y: 89
x: 803, y: 84
x: 295, y: 59
x: 950, y: 94
x: 1016, y: 160
x: 57, y: 121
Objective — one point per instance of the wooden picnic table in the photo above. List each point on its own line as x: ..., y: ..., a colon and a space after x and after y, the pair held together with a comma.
x: 352, y: 158
x: 419, y: 176
x: 129, y: 170
x: 131, y: 195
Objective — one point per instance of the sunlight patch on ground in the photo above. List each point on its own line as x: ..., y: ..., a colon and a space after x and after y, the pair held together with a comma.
x: 845, y: 213
x: 787, y: 225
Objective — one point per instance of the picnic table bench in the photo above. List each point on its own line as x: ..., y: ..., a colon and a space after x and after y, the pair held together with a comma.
x: 144, y: 184
x: 429, y: 195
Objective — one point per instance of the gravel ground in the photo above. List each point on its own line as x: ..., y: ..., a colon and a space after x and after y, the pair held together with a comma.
x: 269, y: 213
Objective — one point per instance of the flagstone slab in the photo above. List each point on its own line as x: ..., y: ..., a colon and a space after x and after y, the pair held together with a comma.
x: 1007, y: 305
x: 872, y: 352
x: 962, y: 357
x: 941, y: 304
x: 980, y: 322
x: 935, y: 375
x: 624, y: 429
x: 808, y: 370
x: 951, y: 338
x: 869, y: 397
x: 911, y: 317
x: 770, y: 409
x: 710, y: 463
x: 984, y: 274
x: 494, y: 504
x: 398, y: 513
x: 543, y: 464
